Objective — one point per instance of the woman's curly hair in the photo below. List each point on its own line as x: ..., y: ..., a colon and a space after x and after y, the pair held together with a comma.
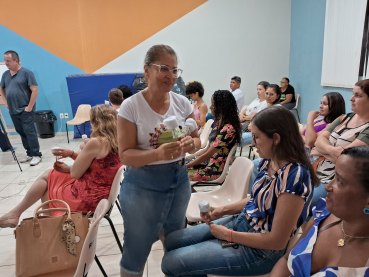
x: 104, y: 126
x: 226, y: 112
x: 193, y: 87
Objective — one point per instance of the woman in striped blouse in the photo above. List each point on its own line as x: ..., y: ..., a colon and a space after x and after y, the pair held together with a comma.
x: 263, y: 223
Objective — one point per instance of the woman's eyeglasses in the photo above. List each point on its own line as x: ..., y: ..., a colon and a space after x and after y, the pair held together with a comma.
x: 166, y: 69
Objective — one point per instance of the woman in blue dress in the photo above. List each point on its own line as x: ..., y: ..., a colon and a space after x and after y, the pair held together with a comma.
x: 262, y: 224
x: 336, y: 243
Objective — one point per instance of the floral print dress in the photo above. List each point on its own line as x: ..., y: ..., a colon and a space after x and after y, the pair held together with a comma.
x: 224, y: 142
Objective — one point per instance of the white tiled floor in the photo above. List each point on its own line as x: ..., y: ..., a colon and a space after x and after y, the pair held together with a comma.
x: 15, y: 184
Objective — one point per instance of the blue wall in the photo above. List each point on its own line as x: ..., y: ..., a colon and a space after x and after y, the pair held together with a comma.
x: 306, y: 55
x: 50, y: 72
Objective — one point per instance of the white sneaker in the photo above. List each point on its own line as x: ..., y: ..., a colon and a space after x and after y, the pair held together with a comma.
x: 35, y: 160
x: 26, y: 159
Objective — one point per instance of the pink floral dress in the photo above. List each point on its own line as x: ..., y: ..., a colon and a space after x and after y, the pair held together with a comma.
x: 224, y: 142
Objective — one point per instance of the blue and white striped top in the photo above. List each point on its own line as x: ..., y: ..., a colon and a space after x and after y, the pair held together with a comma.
x: 293, y: 178
x: 299, y: 260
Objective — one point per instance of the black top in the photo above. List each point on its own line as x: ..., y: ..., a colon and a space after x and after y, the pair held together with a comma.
x: 289, y: 90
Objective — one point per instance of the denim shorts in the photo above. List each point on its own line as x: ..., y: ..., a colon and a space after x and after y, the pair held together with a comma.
x: 153, y: 199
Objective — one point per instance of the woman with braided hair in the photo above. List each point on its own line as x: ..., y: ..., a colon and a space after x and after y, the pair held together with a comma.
x: 227, y: 133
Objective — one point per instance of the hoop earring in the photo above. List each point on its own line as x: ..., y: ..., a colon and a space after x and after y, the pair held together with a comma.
x: 366, y: 210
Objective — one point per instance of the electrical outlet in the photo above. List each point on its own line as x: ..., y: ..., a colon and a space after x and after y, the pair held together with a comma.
x: 66, y: 115
x: 61, y: 115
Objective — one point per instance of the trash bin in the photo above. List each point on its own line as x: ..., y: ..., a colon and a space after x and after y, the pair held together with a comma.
x: 45, y: 123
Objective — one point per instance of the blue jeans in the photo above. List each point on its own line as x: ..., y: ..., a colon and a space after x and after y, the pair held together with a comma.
x: 289, y: 105
x: 153, y: 199
x: 24, y: 124
x: 194, y: 251
x: 246, y: 138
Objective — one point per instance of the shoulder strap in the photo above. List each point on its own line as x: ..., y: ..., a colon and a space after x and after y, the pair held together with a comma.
x: 344, y: 117
x: 329, y: 225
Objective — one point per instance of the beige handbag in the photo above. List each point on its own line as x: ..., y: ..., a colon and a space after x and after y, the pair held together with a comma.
x: 45, y: 244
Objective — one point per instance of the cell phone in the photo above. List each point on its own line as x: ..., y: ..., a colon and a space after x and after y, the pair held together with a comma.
x: 226, y: 244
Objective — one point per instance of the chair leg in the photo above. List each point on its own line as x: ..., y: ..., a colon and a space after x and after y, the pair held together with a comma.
x: 241, y: 151
x: 84, y: 128
x: 250, y: 148
x: 114, y: 232
x: 118, y: 206
x: 100, y: 266
x: 298, y: 115
x: 66, y: 128
x: 79, y: 131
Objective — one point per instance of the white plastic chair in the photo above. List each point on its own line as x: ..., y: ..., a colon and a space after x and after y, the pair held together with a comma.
x: 82, y: 116
x: 291, y: 244
x: 114, y: 192
x: 234, y: 189
x: 87, y: 255
x: 297, y: 97
x: 204, y: 138
x: 222, y: 177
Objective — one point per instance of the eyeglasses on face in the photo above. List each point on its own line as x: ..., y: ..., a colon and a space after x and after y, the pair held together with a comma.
x: 269, y: 94
x: 166, y: 69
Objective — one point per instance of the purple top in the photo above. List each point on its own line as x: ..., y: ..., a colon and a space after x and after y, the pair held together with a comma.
x: 317, y: 128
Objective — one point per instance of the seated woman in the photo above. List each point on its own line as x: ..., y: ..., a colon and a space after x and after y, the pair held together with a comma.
x: 336, y: 242
x: 196, y: 91
x: 331, y: 107
x: 90, y: 178
x: 227, y: 133
x: 272, y: 97
x: 257, y: 104
x: 344, y: 132
x: 262, y: 223
x: 288, y: 94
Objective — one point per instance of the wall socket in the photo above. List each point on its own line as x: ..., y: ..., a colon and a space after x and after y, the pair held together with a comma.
x: 66, y: 115
x: 61, y: 115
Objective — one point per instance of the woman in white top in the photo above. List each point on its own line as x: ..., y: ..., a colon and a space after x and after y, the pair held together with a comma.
x: 272, y: 96
x: 250, y: 111
x: 156, y: 189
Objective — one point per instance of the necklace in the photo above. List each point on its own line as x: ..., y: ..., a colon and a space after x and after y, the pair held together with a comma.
x: 341, y: 242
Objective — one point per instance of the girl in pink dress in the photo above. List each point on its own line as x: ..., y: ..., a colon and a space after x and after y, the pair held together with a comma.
x: 195, y: 90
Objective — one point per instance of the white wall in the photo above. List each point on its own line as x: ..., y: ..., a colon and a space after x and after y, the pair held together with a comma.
x: 220, y: 39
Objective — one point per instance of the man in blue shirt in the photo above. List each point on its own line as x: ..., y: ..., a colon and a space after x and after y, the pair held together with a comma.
x: 18, y: 87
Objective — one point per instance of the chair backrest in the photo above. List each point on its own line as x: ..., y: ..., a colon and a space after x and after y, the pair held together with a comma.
x: 206, y: 132
x: 83, y: 112
x: 297, y: 97
x: 89, y: 247
x: 236, y: 184
x: 225, y: 169
x: 114, y: 191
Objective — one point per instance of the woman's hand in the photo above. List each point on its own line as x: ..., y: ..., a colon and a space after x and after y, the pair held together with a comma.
x: 63, y: 153
x: 213, y: 214
x: 242, y: 118
x: 187, y: 144
x: 336, y: 152
x: 314, y: 152
x: 61, y: 167
x: 312, y: 115
x: 169, y: 151
x: 220, y: 231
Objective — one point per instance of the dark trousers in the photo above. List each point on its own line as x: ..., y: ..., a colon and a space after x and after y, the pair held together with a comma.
x: 25, y: 126
x: 3, y: 142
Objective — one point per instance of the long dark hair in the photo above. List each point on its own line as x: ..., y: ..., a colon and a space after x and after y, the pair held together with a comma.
x: 277, y: 119
x: 277, y: 90
x: 225, y: 112
x: 336, y: 106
